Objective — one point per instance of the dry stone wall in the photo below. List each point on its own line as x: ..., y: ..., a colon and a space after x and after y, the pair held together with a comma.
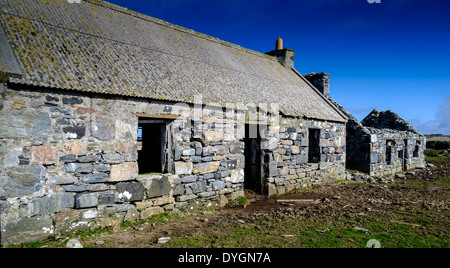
x: 69, y: 161
x: 394, y: 151
x: 289, y: 166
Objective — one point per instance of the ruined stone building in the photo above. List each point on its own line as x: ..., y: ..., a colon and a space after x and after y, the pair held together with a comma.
x: 108, y: 115
x: 381, y: 144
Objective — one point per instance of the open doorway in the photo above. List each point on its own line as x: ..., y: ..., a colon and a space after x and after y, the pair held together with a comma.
x: 253, y: 159
x: 405, y: 155
x: 152, y: 146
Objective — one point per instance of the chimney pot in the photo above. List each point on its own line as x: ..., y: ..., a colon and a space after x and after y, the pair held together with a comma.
x: 279, y: 45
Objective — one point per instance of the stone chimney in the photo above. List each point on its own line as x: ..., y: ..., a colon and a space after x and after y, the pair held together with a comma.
x: 285, y: 56
x: 321, y: 81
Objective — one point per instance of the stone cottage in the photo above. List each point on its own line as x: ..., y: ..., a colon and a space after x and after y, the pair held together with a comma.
x: 381, y: 144
x: 108, y: 115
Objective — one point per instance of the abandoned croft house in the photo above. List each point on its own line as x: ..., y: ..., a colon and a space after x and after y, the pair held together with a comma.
x: 108, y: 115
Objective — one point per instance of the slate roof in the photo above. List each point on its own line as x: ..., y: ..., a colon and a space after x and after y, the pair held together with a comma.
x: 99, y: 47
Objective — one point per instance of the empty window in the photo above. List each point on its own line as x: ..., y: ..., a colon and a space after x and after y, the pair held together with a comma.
x: 314, y: 146
x: 389, y: 146
x: 152, y: 146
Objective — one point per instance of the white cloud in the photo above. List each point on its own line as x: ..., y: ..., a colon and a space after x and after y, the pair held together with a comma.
x: 440, y: 125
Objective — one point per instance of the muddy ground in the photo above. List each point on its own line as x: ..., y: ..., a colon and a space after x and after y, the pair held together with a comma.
x: 406, y: 212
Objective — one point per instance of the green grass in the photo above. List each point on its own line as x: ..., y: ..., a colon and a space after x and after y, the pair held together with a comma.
x: 415, y: 227
x: 239, y: 202
x: 313, y: 233
x: 439, y: 160
x: 443, y: 182
x: 437, y: 157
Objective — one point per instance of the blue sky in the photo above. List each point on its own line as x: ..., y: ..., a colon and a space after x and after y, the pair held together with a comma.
x: 393, y: 55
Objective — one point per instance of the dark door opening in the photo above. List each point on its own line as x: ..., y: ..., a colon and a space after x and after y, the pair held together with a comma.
x: 151, y: 146
x: 405, y: 156
x: 253, y: 160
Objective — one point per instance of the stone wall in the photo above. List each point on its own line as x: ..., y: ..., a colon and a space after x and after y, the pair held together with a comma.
x: 289, y: 166
x: 402, y: 156
x: 69, y: 161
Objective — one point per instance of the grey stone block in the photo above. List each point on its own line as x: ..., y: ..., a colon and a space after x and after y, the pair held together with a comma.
x: 113, y: 158
x: 195, y: 159
x: 177, y: 154
x: 206, y: 194
x: 79, y: 168
x: 94, y: 178
x: 186, y: 197
x: 36, y: 125
x: 27, y: 230
x: 197, y: 187
x: 157, y: 186
x: 208, y: 176
x: 188, y: 179
x: 75, y: 188
x: 89, y: 158
x: 130, y: 191
x: 178, y: 190
x: 302, y: 159
x: 70, y: 158
x: 207, y: 159
x: 51, y: 204
x: 22, y: 180
x: 72, y: 100
x: 218, y: 185
x: 374, y: 158
x: 188, y: 152
x: 62, y: 179
x: 103, y: 130
x: 106, y: 199
x: 102, y: 168
x: 86, y: 200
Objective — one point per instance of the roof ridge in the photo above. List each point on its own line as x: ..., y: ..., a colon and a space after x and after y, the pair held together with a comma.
x: 145, y: 17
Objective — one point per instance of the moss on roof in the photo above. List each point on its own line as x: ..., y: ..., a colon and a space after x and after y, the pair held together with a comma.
x: 99, y: 47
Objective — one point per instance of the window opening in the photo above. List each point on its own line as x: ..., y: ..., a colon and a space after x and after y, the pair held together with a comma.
x: 389, y: 146
x: 314, y: 146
